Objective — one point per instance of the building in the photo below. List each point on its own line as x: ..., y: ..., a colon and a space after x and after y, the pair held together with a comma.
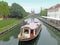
x: 53, y: 15
x: 54, y: 11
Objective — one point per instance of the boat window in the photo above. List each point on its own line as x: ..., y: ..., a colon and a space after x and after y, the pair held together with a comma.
x: 31, y: 31
x: 26, y: 31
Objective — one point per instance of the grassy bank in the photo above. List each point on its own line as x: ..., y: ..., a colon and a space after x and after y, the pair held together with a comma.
x: 6, y: 24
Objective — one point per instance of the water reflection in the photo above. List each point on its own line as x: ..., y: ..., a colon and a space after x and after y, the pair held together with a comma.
x: 54, y: 33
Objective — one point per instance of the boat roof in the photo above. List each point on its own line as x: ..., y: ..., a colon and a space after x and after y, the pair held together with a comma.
x: 29, y: 20
x: 31, y: 25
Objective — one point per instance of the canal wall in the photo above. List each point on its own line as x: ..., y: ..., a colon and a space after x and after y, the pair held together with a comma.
x: 55, y: 24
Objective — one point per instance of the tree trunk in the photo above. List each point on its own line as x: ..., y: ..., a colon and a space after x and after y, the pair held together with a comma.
x: 5, y: 17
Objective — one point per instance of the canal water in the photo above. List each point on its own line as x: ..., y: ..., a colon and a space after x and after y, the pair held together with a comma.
x: 48, y: 36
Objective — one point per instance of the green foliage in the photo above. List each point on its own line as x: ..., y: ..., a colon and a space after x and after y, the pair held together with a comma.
x: 4, y: 8
x: 43, y: 12
x: 17, y: 11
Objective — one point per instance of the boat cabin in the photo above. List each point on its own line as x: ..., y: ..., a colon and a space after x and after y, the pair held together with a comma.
x: 30, y: 30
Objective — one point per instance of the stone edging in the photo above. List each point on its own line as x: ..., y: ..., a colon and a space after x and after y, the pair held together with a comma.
x: 49, y: 24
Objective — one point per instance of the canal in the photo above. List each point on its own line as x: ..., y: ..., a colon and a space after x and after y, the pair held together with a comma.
x: 48, y: 36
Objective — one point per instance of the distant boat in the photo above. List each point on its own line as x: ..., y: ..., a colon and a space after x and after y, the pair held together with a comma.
x: 29, y: 31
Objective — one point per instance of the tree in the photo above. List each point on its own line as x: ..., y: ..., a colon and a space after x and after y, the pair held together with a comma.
x: 4, y: 9
x: 43, y: 12
x: 17, y: 11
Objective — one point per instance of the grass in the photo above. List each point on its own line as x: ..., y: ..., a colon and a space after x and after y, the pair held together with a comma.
x: 6, y: 24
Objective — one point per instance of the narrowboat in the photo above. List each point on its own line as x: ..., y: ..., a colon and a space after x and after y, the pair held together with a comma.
x: 29, y: 31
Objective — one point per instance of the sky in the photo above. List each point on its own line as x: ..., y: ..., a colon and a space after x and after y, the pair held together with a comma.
x: 35, y: 5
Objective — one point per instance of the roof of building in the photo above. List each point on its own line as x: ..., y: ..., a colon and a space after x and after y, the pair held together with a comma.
x: 57, y: 6
x: 54, y: 7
